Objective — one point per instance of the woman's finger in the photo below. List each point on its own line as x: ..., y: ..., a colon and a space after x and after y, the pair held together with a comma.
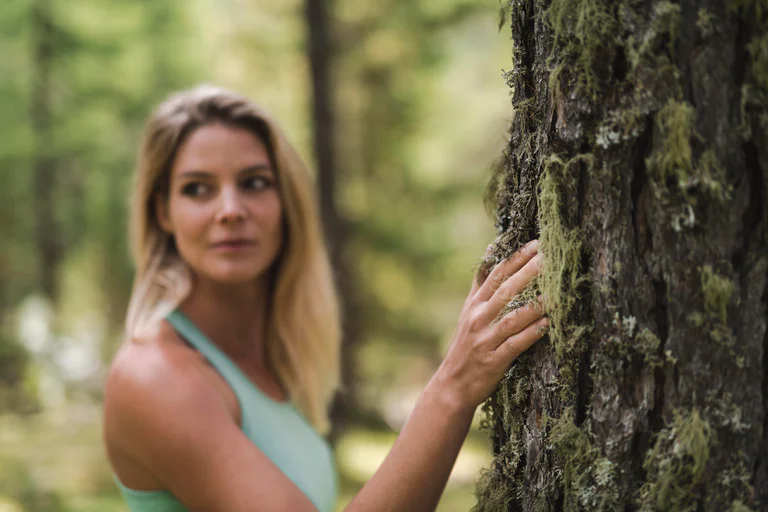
x: 516, y: 321
x: 480, y: 277
x: 510, y: 288
x: 522, y: 341
x: 506, y: 268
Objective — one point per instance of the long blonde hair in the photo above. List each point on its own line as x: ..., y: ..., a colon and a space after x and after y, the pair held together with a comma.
x: 303, y: 338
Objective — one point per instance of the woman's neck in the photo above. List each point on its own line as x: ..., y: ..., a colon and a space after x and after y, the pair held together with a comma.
x: 233, y: 317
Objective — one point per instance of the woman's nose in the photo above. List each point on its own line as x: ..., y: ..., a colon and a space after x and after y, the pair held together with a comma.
x: 232, y: 208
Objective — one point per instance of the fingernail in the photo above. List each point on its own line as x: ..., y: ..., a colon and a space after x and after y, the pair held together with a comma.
x: 532, y: 247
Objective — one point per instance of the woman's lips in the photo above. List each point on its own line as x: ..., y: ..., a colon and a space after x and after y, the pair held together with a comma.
x: 233, y: 245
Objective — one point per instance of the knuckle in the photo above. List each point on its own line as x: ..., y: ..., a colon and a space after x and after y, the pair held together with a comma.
x: 529, y: 250
x: 476, y: 321
x: 510, y: 320
x: 478, y: 344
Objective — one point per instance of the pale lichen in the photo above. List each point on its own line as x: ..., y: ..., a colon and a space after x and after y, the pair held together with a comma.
x: 589, y: 479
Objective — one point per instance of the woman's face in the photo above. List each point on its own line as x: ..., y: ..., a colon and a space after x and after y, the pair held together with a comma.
x: 223, y: 207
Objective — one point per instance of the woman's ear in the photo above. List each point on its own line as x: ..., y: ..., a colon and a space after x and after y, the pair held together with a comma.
x: 163, y: 218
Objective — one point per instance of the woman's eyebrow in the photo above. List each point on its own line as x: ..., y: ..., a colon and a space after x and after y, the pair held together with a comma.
x: 195, y: 174
x: 255, y: 168
x: 207, y: 174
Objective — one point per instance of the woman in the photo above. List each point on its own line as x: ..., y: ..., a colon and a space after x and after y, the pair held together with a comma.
x: 216, y: 400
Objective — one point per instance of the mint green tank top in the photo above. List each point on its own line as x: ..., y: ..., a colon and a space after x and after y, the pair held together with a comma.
x: 278, y: 429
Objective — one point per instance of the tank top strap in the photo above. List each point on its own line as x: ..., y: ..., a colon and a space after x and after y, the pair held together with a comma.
x: 218, y: 359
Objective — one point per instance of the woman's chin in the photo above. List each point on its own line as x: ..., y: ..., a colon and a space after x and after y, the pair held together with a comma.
x: 234, y: 276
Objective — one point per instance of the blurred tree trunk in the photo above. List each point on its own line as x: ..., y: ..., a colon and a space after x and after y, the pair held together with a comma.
x: 336, y: 228
x: 638, y: 155
x: 43, y: 159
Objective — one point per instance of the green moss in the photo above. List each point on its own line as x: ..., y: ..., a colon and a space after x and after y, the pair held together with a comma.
x: 663, y: 29
x: 529, y: 295
x: 738, y: 506
x: 753, y: 94
x: 676, y: 463
x: 751, y: 9
x: 514, y: 393
x: 493, y: 493
x: 588, y: 478
x: 758, y: 50
x: 628, y: 341
x: 717, y: 293
x: 675, y: 159
x: 584, y: 32
x: 672, y: 167
x: 709, y: 174
x: 559, y: 278
x: 697, y: 319
x: 705, y: 22
x: 504, y: 416
x: 648, y: 344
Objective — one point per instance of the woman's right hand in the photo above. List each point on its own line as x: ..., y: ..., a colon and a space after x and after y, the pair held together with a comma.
x: 483, y: 349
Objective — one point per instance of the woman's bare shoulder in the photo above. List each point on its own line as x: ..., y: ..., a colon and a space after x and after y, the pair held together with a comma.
x: 153, y: 379
x: 156, y: 360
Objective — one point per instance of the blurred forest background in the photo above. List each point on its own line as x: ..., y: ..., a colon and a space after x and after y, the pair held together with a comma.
x: 420, y: 109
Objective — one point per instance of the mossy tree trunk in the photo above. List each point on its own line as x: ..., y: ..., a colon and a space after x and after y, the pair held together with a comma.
x: 638, y: 155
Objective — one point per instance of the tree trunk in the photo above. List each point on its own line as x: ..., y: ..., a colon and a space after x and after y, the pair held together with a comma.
x: 638, y: 155
x: 43, y: 160
x: 337, y: 230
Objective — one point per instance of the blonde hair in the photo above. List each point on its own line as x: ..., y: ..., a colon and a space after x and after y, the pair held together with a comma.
x: 303, y: 338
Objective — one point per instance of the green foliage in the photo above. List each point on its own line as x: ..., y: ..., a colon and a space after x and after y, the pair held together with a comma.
x: 588, y: 478
x: 676, y: 463
x: 584, y: 32
x: 14, y: 394
x: 717, y: 293
x: 17, y: 483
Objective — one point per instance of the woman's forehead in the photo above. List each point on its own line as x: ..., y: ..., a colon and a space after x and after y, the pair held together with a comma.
x: 218, y: 147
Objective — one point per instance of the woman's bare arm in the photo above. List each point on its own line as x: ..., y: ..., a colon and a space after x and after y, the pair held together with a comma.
x: 414, y: 474
x: 168, y: 420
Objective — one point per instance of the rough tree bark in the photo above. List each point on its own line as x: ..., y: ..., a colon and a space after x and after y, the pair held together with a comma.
x: 638, y: 155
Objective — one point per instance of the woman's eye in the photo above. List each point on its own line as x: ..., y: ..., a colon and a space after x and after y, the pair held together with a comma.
x: 194, y: 189
x: 257, y: 183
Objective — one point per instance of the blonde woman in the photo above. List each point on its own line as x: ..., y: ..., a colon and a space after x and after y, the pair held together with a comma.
x: 218, y: 398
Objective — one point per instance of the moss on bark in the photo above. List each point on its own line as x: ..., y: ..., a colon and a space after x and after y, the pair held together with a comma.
x: 638, y: 155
